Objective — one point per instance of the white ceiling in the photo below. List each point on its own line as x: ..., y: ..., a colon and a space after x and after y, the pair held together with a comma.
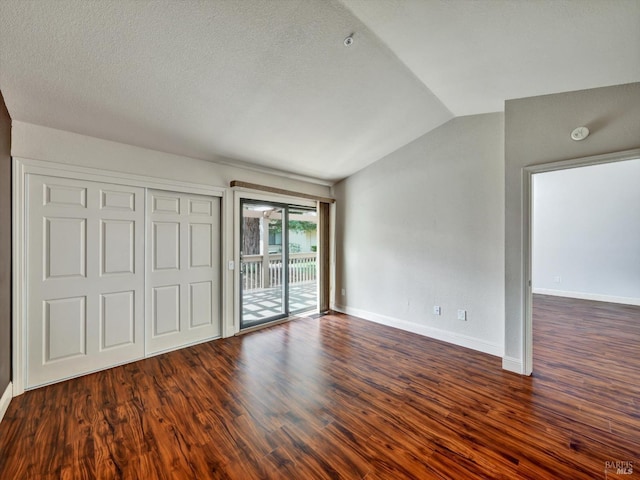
x: 270, y: 83
x: 474, y: 55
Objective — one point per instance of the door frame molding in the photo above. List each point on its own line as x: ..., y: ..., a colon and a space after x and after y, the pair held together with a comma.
x: 26, y: 166
x: 527, y: 232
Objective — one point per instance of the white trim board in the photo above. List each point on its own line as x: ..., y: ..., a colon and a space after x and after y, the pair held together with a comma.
x: 431, y: 332
x: 5, y: 400
x: 514, y: 365
x: 587, y: 296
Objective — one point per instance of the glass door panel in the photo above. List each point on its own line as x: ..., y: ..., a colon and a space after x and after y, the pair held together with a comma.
x: 278, y: 261
x: 302, y: 264
x: 263, y: 263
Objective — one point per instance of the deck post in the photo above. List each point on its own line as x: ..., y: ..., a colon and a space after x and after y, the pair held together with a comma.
x: 264, y: 227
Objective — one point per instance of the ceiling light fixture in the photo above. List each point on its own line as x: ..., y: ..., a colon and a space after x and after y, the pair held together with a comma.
x: 580, y: 133
x: 348, y: 41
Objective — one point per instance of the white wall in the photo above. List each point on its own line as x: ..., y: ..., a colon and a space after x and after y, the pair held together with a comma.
x: 41, y: 143
x: 305, y: 240
x: 586, y: 232
x: 424, y: 226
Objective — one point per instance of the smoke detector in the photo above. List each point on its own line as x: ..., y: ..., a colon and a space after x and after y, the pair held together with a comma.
x: 580, y: 133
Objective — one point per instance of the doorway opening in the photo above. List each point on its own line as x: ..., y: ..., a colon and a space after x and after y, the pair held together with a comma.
x: 581, y: 252
x: 585, y: 295
x: 278, y: 261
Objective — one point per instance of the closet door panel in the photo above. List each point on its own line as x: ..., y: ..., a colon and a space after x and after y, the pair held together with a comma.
x: 183, y: 270
x: 85, y: 277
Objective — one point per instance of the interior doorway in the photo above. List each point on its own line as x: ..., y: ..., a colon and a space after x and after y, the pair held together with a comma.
x: 584, y: 257
x: 278, y: 261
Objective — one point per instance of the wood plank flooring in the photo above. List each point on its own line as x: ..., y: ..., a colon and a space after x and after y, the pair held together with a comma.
x: 339, y: 397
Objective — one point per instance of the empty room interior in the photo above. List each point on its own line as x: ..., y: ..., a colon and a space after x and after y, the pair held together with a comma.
x: 307, y: 239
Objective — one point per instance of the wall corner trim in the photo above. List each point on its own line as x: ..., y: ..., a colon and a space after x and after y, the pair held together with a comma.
x: 425, y: 330
x: 5, y: 400
x: 512, y: 364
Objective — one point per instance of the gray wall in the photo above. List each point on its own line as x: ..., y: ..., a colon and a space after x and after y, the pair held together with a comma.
x: 586, y: 232
x: 5, y: 246
x: 537, y: 131
x: 424, y: 227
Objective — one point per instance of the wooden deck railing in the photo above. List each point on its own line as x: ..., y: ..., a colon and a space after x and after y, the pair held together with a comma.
x: 256, y: 274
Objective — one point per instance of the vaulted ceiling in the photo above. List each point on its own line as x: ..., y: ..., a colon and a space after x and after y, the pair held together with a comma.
x: 271, y: 83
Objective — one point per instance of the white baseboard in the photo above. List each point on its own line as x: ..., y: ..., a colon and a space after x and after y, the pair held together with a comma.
x: 588, y: 296
x: 5, y: 400
x: 431, y: 332
x: 512, y: 364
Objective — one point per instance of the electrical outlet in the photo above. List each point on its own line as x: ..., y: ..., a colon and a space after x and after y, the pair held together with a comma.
x: 343, y: 291
x: 557, y: 279
x: 437, y: 310
x: 462, y: 315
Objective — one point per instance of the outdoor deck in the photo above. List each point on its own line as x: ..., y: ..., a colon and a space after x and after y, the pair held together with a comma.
x: 261, y: 303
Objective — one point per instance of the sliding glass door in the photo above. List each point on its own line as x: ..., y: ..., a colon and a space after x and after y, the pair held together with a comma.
x: 278, y: 249
x: 302, y: 249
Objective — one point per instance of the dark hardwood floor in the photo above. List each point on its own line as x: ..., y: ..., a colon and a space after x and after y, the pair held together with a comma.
x: 339, y: 397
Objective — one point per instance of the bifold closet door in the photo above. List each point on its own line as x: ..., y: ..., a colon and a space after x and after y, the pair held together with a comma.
x: 183, y: 270
x: 85, y: 277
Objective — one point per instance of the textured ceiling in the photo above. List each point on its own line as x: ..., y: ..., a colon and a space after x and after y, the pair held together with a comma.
x: 474, y: 55
x: 270, y: 83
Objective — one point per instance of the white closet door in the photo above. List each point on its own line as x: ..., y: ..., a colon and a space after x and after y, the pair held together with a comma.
x: 85, y: 280
x: 183, y: 269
